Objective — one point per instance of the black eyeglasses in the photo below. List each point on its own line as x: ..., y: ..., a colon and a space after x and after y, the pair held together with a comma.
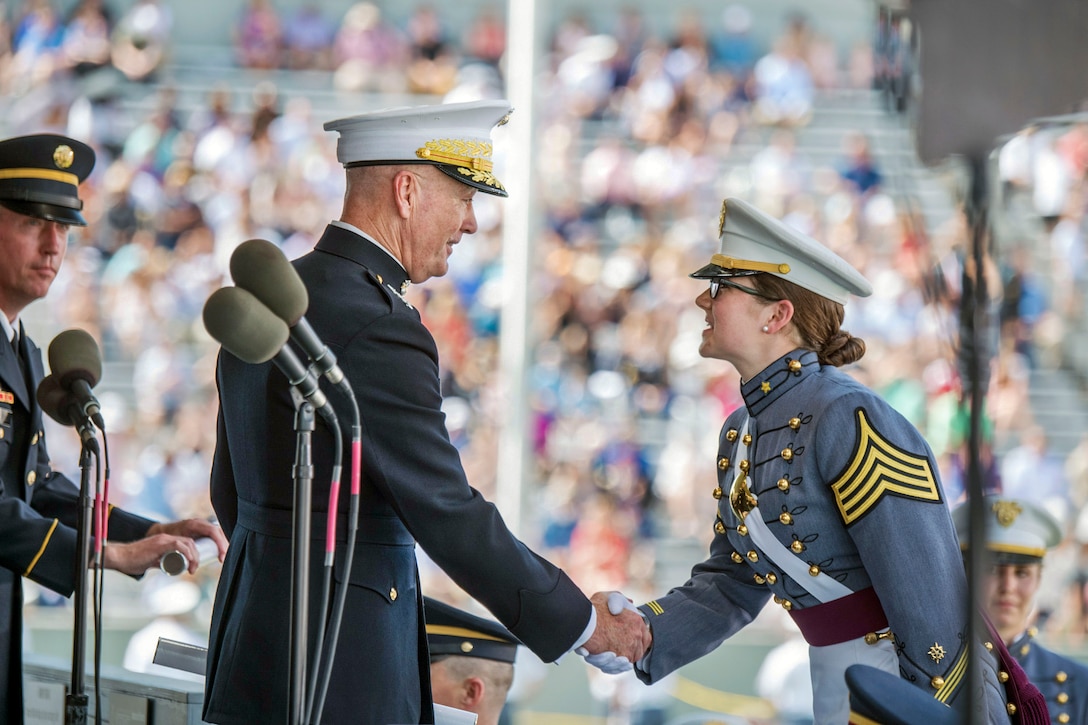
x: 716, y: 283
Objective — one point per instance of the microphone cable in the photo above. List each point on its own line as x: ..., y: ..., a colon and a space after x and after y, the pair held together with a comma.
x: 318, y: 703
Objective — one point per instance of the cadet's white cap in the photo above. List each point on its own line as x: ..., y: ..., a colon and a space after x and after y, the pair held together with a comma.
x: 1017, y: 531
x: 754, y: 242
x: 455, y: 137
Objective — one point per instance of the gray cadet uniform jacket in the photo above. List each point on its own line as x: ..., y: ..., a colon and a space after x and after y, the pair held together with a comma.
x: 850, y: 488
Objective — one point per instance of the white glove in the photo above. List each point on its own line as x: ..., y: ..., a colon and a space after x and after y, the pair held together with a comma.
x: 609, y: 663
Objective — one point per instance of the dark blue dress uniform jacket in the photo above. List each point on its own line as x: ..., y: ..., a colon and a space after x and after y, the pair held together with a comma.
x: 851, y: 488
x: 413, y: 490
x: 1063, y: 682
x: 39, y: 511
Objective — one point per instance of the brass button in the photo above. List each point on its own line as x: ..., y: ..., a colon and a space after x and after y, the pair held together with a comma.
x: 797, y: 547
x: 1063, y: 697
x: 31, y: 478
x: 989, y: 646
x: 1011, y: 708
x: 736, y: 557
x: 717, y: 493
x: 1025, y: 649
x: 783, y: 484
x: 758, y: 579
x: 723, y: 463
x: 1061, y: 676
x: 745, y: 465
x: 731, y: 435
x: 719, y: 527
x: 466, y: 646
x: 1, y: 434
x: 814, y: 570
x: 380, y: 280
x: 787, y: 604
x: 795, y: 366
x: 393, y: 594
x: 785, y: 518
x: 747, y: 439
x: 787, y: 455
x: 937, y: 682
x: 34, y: 439
x: 742, y: 530
x: 771, y: 577
x: 1002, y: 677
x: 1063, y: 718
x: 795, y: 423
x: 753, y: 556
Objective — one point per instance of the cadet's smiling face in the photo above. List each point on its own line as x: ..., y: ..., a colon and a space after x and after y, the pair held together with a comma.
x: 444, y: 213
x: 1010, y: 596
x: 32, y: 250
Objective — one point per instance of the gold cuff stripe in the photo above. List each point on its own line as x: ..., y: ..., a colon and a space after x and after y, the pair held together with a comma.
x: 878, y: 468
x: 45, y: 543
x: 954, y: 679
x: 47, y: 174
x: 655, y: 607
x: 462, y: 632
x: 469, y: 154
x: 746, y: 264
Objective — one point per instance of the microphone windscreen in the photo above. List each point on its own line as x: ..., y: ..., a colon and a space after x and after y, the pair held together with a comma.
x: 244, y: 326
x: 73, y: 355
x: 261, y: 268
x: 53, y: 399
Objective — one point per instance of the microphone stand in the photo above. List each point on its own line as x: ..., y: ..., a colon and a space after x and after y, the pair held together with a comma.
x: 303, y: 473
x: 76, y: 701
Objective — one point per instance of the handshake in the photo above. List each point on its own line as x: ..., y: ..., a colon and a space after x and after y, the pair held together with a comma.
x: 622, y: 636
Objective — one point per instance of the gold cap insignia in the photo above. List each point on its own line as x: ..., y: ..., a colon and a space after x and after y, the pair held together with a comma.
x: 63, y: 156
x: 1007, y: 511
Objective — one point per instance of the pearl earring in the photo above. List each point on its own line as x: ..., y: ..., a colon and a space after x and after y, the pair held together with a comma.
x: 766, y: 328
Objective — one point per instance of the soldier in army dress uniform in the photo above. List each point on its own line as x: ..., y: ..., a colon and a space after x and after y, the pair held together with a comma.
x: 828, y: 501
x: 1018, y: 534
x: 39, y: 507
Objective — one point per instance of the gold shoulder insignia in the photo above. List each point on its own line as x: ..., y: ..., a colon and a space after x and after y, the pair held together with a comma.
x: 878, y: 468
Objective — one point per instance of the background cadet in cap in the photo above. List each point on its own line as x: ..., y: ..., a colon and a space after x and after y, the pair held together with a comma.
x: 411, y: 177
x: 828, y: 501
x: 472, y: 660
x: 1018, y: 535
x: 39, y: 200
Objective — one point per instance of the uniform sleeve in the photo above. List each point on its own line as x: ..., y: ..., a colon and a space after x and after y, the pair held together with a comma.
x: 717, y: 601
x: 884, y: 481
x: 407, y: 454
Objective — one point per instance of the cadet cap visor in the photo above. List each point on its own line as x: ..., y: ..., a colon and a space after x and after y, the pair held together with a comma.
x: 40, y: 176
x: 883, y: 698
x: 753, y: 242
x: 1017, y: 531
x: 451, y: 631
x: 455, y: 137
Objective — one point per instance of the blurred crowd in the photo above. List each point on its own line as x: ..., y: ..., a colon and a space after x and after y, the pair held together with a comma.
x: 645, y: 131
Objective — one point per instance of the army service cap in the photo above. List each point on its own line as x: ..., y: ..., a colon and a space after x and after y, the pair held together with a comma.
x: 452, y: 631
x: 1017, y: 531
x: 40, y: 176
x: 878, y: 697
x: 753, y: 241
x: 455, y: 137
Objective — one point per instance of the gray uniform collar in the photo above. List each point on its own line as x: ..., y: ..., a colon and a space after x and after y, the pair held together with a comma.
x: 777, y: 379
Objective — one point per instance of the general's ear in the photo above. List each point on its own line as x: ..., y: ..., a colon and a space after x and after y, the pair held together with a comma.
x: 405, y: 191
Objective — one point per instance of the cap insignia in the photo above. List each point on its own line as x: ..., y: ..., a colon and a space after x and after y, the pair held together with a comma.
x: 63, y: 156
x: 504, y: 120
x: 1007, y: 511
x: 721, y: 220
x: 475, y: 155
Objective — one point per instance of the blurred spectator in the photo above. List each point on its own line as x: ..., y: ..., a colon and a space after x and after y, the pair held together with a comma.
x: 433, y: 67
x: 1032, y: 471
x: 485, y: 37
x: 85, y: 46
x: 258, y: 35
x: 783, y: 85
x: 369, y: 54
x: 857, y: 168
x: 36, y: 42
x: 307, y: 38
x: 141, y: 39
x: 733, y: 48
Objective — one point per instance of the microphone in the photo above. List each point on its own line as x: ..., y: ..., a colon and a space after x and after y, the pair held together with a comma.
x: 75, y: 361
x: 62, y: 407
x: 251, y: 332
x: 261, y: 268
